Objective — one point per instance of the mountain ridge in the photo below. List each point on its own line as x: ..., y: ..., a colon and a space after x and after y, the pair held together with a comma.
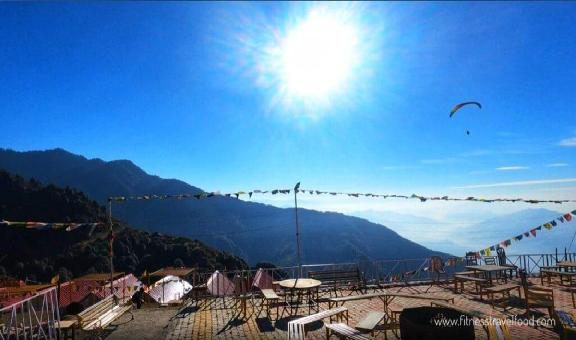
x: 253, y: 231
x: 39, y: 254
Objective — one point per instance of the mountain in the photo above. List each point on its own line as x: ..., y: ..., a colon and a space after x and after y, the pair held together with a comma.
x: 253, y: 231
x: 39, y: 254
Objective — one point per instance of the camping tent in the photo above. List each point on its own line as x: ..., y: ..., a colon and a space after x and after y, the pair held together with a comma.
x: 219, y: 285
x: 170, y: 288
x: 262, y: 280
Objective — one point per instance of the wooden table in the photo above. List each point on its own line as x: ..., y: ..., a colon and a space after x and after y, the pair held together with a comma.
x: 566, y: 265
x: 299, y: 287
x: 300, y: 283
x: 65, y: 326
x: 489, y: 269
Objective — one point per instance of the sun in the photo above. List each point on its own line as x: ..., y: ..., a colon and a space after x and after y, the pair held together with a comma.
x: 318, y: 56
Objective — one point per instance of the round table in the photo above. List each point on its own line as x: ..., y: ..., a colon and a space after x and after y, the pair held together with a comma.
x: 297, y: 287
x: 299, y: 283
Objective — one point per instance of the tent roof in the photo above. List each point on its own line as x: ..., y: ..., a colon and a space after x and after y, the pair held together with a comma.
x: 99, y: 277
x: 174, y: 271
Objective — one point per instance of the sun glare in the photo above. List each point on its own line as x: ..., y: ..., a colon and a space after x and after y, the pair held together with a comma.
x: 316, y: 59
x: 318, y: 55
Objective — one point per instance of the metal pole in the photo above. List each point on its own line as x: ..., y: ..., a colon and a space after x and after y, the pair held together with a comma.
x: 111, y: 250
x: 297, y: 228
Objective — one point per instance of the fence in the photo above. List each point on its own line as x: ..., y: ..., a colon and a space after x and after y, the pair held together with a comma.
x: 533, y: 262
x: 35, y: 317
x: 401, y: 271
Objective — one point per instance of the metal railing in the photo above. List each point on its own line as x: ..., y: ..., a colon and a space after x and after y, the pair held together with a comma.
x: 532, y: 263
x: 373, y: 272
x: 35, y: 317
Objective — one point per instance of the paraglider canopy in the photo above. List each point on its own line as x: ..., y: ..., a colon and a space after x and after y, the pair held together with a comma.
x: 459, y: 106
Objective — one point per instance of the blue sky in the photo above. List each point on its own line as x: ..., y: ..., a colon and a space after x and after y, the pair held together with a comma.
x: 178, y: 89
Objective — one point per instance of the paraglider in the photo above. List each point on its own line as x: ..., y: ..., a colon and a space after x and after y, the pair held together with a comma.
x: 459, y: 106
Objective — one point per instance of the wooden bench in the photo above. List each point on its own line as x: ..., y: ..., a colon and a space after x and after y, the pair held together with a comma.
x: 370, y: 321
x: 470, y: 272
x: 333, y: 280
x: 297, y: 328
x: 478, y: 282
x: 539, y: 297
x: 504, y: 289
x: 67, y: 328
x: 335, y: 301
x: 101, y: 314
x: 548, y: 272
x: 343, y: 330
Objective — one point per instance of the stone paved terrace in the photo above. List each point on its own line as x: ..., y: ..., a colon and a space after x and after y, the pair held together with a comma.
x: 219, y: 320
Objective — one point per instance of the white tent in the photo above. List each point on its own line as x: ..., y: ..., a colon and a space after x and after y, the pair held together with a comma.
x: 170, y: 288
x: 219, y: 285
x: 262, y: 280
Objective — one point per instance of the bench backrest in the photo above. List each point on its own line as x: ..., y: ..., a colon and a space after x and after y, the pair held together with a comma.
x: 337, y: 277
x: 539, y: 297
x: 471, y: 259
x: 296, y: 329
x: 491, y: 260
x: 96, y: 310
x: 536, y: 296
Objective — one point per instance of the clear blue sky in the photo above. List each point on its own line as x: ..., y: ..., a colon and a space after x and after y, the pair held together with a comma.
x: 175, y: 87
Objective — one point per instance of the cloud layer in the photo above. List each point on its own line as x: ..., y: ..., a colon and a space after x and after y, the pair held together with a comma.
x: 512, y: 168
x: 518, y: 183
x: 569, y: 142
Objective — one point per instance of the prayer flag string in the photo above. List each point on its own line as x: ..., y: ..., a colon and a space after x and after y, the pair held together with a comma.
x: 251, y: 193
x: 565, y: 218
x: 48, y: 225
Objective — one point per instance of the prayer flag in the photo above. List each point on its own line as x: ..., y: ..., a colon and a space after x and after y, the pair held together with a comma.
x: 73, y: 226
